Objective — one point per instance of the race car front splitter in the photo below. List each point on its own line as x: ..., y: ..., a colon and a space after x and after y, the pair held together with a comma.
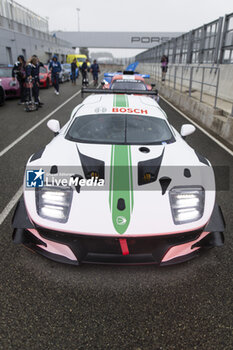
x: 82, y: 248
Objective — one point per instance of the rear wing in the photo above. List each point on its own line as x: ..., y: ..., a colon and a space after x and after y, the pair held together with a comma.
x: 132, y: 66
x: 126, y: 72
x: 122, y: 92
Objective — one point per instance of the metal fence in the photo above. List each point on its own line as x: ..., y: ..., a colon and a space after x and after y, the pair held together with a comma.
x: 194, y: 81
x: 226, y: 55
x: 212, y: 43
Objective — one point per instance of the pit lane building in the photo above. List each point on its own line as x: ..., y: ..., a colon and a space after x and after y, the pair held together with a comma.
x: 23, y: 32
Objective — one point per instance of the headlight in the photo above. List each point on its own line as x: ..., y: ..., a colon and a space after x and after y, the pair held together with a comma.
x: 187, y: 204
x: 53, y: 203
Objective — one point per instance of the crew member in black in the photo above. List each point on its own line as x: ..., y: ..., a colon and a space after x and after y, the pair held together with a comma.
x: 38, y: 65
x: 95, y: 71
x: 33, y: 78
x: 73, y: 71
x: 84, y: 70
x: 19, y: 73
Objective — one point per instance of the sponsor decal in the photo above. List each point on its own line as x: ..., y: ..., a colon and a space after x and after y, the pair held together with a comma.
x: 148, y: 39
x: 129, y: 110
x: 121, y: 220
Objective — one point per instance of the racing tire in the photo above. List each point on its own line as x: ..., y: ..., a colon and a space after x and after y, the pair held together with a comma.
x: 2, y: 96
x: 47, y: 84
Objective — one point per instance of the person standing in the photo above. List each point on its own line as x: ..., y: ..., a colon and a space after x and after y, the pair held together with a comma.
x: 84, y: 70
x: 73, y: 71
x: 37, y: 73
x: 95, y: 70
x: 19, y: 73
x: 55, y: 67
x: 164, y: 66
x: 32, y: 78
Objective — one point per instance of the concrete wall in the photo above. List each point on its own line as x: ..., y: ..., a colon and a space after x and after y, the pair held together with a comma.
x: 221, y: 126
x: 18, y: 37
x: 225, y: 88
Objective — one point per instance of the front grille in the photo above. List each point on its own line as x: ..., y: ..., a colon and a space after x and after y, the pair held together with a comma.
x: 84, y: 245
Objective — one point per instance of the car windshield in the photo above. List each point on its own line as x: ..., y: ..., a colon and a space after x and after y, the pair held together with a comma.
x: 120, y: 129
x: 43, y: 70
x: 5, y: 72
x: 128, y: 85
x: 66, y: 66
x: 81, y: 59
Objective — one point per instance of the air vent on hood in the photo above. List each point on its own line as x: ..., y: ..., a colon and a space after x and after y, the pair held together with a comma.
x: 148, y: 170
x: 121, y: 204
x: 164, y: 182
x: 92, y: 167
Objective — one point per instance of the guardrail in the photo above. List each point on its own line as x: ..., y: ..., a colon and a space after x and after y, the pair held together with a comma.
x: 182, y: 77
x: 196, y: 81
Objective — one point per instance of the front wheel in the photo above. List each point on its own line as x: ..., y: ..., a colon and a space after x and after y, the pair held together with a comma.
x: 47, y: 84
x: 2, y: 96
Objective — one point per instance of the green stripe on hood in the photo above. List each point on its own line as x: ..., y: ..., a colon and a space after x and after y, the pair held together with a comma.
x: 121, y: 185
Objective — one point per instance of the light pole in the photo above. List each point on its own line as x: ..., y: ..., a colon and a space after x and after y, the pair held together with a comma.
x: 78, y: 19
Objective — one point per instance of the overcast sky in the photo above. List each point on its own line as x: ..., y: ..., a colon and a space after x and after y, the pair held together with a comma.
x: 129, y: 15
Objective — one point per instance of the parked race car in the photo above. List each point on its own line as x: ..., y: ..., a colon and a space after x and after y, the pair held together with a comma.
x: 129, y: 70
x: 11, y: 87
x: 67, y: 67
x: 133, y: 191
x: 45, y: 77
x: 130, y: 81
x: 127, y: 82
x: 64, y: 74
x: 125, y: 77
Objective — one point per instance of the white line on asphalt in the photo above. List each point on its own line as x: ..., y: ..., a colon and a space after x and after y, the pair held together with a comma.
x: 10, y: 205
x: 17, y: 195
x: 5, y: 150
x: 199, y: 127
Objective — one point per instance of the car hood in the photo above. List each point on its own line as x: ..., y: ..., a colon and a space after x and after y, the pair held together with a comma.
x: 5, y: 82
x: 145, y: 202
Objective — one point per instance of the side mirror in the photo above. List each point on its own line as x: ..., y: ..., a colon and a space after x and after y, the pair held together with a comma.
x: 187, y: 129
x: 54, y: 125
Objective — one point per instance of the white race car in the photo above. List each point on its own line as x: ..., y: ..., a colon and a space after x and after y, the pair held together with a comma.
x: 118, y: 184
